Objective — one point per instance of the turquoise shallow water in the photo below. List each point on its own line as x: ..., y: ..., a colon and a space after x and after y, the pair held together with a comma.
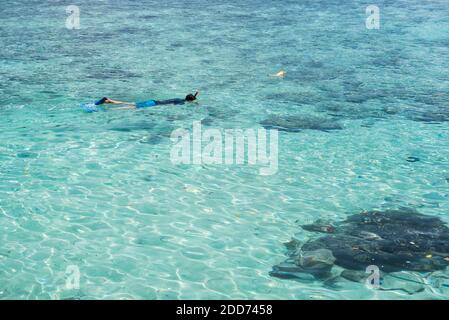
x: 98, y: 191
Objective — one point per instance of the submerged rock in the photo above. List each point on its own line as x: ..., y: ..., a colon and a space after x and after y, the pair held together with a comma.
x: 298, y: 123
x: 431, y: 117
x: 432, y: 111
x: 319, y: 226
x: 392, y: 240
x: 318, y: 262
x: 354, y: 276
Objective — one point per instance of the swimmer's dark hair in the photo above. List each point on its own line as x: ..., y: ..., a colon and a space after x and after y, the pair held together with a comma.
x: 191, y: 97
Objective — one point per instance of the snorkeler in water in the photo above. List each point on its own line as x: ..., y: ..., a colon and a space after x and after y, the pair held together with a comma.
x: 148, y: 103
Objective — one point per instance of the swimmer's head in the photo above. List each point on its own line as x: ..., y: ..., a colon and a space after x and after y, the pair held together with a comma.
x: 192, y: 97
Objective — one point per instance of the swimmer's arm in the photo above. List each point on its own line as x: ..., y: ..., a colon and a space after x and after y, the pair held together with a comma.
x: 110, y: 101
x: 127, y: 105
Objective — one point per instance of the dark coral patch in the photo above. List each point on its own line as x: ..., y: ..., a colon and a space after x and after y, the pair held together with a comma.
x: 393, y: 240
x: 298, y: 123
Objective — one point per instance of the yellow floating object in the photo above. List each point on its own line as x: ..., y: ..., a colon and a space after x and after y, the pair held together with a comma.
x: 280, y: 74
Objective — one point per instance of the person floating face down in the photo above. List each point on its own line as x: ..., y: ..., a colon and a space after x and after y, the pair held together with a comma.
x: 148, y: 103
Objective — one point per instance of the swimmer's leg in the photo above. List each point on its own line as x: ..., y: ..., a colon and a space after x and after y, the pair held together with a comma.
x: 128, y: 107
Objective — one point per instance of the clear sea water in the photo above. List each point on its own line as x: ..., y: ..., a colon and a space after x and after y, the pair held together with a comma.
x: 99, y: 192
